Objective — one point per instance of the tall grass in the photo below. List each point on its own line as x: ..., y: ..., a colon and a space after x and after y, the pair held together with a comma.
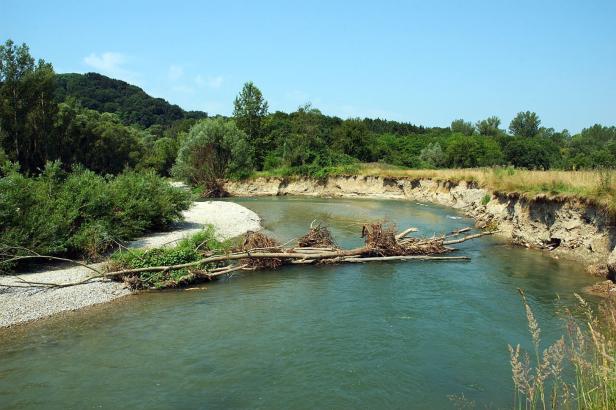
x: 596, y: 186
x: 576, y: 371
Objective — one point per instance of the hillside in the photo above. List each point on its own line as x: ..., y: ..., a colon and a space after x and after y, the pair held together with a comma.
x: 131, y: 103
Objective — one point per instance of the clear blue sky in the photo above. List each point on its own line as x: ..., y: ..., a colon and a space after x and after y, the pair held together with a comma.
x: 426, y: 62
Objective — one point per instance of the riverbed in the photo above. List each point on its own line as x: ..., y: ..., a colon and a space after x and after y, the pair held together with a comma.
x: 389, y: 335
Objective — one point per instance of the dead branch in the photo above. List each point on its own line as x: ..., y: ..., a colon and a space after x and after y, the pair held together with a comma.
x: 469, y: 237
x: 405, y: 232
x: 258, y: 251
x: 407, y: 258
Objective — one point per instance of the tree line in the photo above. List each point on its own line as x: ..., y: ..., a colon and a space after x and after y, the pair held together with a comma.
x: 108, y: 126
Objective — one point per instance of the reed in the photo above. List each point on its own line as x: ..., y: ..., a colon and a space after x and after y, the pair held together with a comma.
x: 588, y: 349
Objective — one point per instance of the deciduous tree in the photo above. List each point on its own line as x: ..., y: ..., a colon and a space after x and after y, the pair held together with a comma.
x: 250, y: 108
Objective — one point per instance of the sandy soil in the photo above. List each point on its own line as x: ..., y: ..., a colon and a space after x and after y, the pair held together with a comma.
x: 18, y: 305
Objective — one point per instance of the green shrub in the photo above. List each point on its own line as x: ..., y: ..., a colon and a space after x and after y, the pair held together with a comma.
x: 213, y: 150
x: 486, y: 199
x: 81, y: 213
x: 190, y: 249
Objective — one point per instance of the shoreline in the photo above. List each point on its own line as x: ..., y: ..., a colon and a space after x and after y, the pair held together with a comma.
x: 563, y: 227
x: 23, y: 305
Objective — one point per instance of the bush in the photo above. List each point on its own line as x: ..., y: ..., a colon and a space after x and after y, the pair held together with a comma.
x: 214, y: 149
x: 81, y: 213
x: 190, y: 249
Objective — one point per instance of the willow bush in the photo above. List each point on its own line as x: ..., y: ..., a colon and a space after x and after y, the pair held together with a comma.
x: 80, y: 213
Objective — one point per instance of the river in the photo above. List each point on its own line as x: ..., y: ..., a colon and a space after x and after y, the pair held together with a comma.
x: 379, y: 335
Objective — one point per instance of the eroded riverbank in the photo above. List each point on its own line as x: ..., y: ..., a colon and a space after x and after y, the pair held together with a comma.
x: 19, y: 305
x: 564, y: 227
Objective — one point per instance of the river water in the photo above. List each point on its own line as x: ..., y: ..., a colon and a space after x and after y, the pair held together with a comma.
x: 380, y: 335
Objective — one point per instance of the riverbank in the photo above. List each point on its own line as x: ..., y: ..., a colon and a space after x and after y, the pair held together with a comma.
x: 19, y: 305
x: 563, y: 226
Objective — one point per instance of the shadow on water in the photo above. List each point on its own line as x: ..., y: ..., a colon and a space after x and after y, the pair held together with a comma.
x: 375, y: 335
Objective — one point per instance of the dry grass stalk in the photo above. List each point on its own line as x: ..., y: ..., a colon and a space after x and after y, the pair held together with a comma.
x: 596, y: 186
x: 591, y: 352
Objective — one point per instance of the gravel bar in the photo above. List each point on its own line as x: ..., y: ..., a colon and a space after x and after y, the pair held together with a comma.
x: 19, y: 305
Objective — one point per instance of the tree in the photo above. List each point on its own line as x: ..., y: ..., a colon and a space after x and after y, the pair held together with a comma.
x: 352, y: 138
x: 307, y: 138
x: 525, y: 124
x: 474, y: 151
x: 250, y: 108
x: 213, y: 150
x: 132, y: 104
x: 432, y: 156
x: 98, y: 141
x: 489, y: 126
x: 462, y: 127
x: 531, y: 153
x: 27, y: 107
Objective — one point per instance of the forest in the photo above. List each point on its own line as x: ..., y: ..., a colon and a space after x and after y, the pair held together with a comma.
x: 64, y: 138
x: 107, y: 126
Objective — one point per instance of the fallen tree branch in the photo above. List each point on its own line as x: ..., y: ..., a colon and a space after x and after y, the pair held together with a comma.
x: 260, y: 252
x: 406, y: 258
x: 469, y: 237
x: 405, y: 232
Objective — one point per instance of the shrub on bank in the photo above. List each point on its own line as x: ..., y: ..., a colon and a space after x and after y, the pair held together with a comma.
x: 190, y: 249
x: 80, y: 213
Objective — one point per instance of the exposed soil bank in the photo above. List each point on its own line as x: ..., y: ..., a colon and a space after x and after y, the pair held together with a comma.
x: 566, y: 227
x: 18, y: 305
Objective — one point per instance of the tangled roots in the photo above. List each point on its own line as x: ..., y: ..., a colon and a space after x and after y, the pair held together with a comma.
x: 381, y: 239
x: 256, y: 241
x: 422, y: 246
x: 317, y: 237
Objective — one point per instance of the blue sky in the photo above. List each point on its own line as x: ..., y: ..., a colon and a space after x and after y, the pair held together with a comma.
x: 418, y: 61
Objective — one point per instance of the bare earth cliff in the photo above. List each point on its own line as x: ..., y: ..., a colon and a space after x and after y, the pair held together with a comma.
x: 565, y: 227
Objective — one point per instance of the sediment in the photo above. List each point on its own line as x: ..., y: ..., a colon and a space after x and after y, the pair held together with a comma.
x: 19, y: 305
x: 566, y: 227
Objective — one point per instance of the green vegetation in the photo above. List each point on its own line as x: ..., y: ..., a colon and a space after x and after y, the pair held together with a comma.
x: 131, y: 104
x: 190, y: 249
x: 213, y: 150
x: 109, y: 127
x: 80, y: 212
x: 103, y: 124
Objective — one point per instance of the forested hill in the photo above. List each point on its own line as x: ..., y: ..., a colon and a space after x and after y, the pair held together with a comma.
x: 129, y: 102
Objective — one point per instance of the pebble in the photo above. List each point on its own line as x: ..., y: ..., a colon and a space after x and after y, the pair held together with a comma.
x: 19, y: 305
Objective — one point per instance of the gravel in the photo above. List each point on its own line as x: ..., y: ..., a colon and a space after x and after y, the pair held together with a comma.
x: 19, y: 305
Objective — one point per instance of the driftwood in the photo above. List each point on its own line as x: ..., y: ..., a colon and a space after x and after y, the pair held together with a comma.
x: 257, y: 251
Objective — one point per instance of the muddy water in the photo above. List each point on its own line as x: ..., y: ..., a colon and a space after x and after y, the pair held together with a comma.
x: 388, y: 335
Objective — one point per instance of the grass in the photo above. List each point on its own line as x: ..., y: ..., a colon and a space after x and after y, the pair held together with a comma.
x: 576, y: 371
x: 597, y: 187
